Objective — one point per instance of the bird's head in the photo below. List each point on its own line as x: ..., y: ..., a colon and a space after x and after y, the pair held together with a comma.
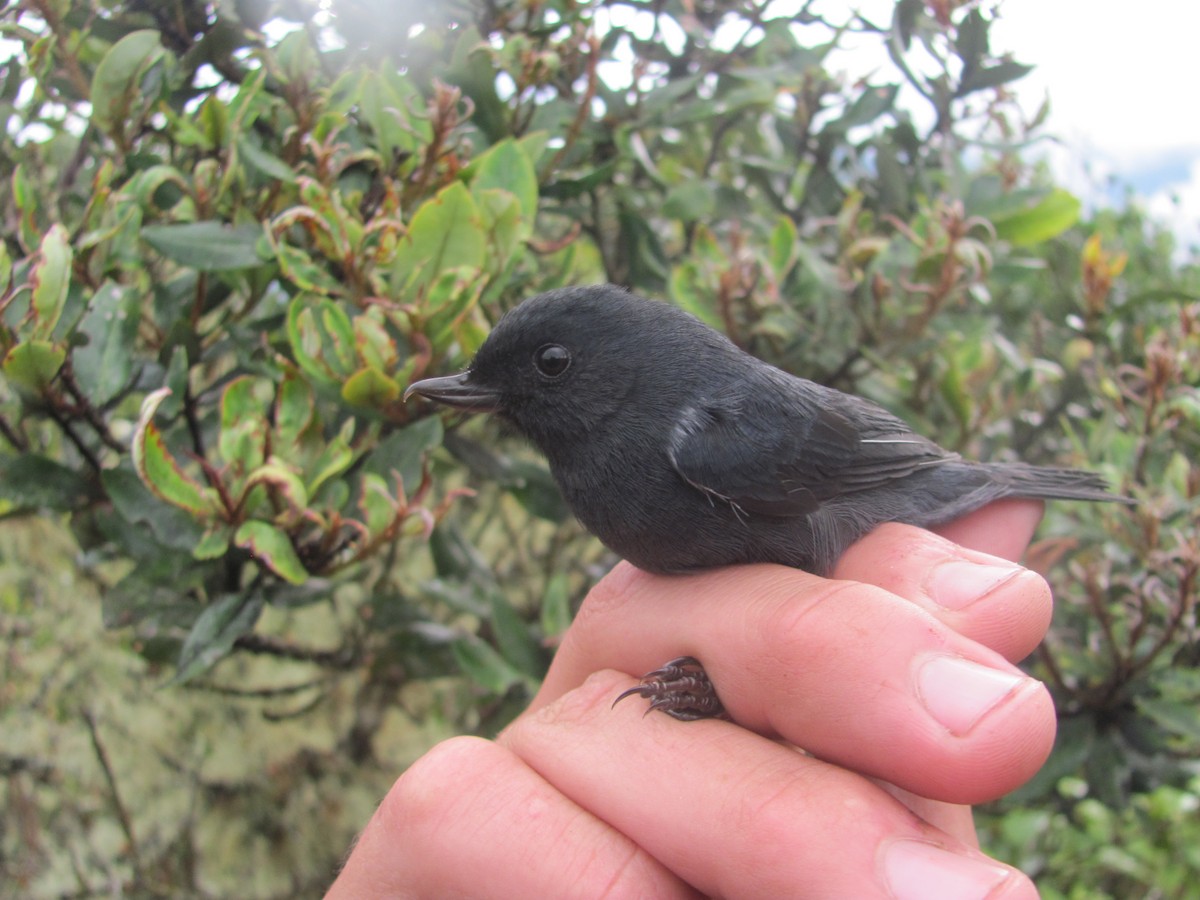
x: 564, y: 363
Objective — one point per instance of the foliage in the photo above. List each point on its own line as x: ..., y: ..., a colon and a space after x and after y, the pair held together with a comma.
x: 232, y: 248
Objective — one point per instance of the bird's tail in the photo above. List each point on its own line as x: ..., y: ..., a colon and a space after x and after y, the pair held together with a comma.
x: 1051, y: 483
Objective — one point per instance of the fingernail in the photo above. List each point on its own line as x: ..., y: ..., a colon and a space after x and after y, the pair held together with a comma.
x: 957, y: 584
x: 958, y: 692
x: 918, y: 871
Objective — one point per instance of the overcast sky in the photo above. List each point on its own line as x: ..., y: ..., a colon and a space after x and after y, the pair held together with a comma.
x: 1122, y: 80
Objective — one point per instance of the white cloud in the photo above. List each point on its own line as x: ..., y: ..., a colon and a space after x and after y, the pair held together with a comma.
x: 1120, y: 80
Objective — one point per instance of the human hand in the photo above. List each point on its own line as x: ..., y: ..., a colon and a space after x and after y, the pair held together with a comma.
x: 910, y: 687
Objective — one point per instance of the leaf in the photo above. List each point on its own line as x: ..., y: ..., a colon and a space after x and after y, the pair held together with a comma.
x: 33, y: 365
x: 169, y: 525
x: 404, y: 451
x: 215, y: 632
x: 484, y: 666
x: 1051, y: 216
x: 119, y: 85
x: 322, y: 338
x: 505, y: 166
x: 209, y: 246
x: 445, y: 233
x: 692, y: 201
x: 783, y: 247
x: 516, y: 641
x: 110, y: 325
x: 376, y: 503
x: 448, y: 303
x: 570, y: 188
x: 295, y: 411
x: 971, y: 42
x: 271, y: 547
x: 556, y: 606
x: 158, y: 469
x: 243, y: 439
x: 286, y: 484
x: 992, y: 76
x: 870, y: 105
x: 50, y: 280
x: 334, y: 459
x: 536, y: 490
x: 370, y: 388
x: 36, y: 481
x: 266, y: 163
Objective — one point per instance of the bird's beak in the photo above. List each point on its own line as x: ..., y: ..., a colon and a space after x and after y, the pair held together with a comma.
x: 457, y: 391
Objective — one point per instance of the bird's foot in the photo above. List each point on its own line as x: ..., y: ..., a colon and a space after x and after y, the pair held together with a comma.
x: 681, y: 689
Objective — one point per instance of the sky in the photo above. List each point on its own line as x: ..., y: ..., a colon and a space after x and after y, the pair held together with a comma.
x: 1122, y: 81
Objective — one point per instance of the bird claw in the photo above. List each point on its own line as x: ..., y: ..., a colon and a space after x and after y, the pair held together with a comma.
x: 681, y: 689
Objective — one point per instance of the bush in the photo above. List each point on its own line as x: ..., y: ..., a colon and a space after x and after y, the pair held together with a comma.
x: 233, y: 244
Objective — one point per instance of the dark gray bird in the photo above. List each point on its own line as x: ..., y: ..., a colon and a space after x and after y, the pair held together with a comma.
x: 680, y: 451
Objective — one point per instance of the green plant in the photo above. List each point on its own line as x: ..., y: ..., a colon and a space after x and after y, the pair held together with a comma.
x: 230, y: 251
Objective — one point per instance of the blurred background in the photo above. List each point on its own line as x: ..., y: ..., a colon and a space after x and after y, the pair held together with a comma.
x: 242, y: 585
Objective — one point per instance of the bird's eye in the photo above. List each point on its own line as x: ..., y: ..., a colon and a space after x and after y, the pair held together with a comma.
x: 552, y: 360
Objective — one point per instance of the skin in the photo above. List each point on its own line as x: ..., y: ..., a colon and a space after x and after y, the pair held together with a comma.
x: 901, y: 690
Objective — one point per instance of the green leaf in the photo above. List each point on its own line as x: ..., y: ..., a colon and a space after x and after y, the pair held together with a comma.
x: 264, y: 162
x: 1178, y: 717
x: 692, y: 201
x: 515, y: 638
x: 370, y: 388
x: 536, y: 490
x: 783, y: 247
x: 50, y: 280
x: 334, y: 459
x: 33, y: 365
x: 242, y: 442
x: 322, y: 338
x: 169, y: 525
x: 377, y: 504
x: 1051, y: 216
x: 505, y: 166
x: 214, y: 543
x: 375, y: 346
x: 445, y: 233
x: 404, y: 451
x: 110, y: 325
x: 271, y: 547
x: 36, y: 481
x: 215, y: 632
x: 448, y: 303
x: 286, y: 484
x: 556, y: 606
x: 992, y: 76
x: 485, y: 666
x: 870, y: 105
x: 158, y: 469
x: 209, y: 246
x: 295, y: 411
x: 570, y: 188
x: 124, y: 84
x: 971, y: 42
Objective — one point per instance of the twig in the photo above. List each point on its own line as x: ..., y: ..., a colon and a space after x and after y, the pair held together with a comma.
x: 118, y: 805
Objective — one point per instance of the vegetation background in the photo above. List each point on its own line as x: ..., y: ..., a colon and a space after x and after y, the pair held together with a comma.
x: 242, y: 585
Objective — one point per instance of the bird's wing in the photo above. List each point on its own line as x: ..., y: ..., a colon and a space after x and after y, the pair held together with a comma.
x: 777, y: 446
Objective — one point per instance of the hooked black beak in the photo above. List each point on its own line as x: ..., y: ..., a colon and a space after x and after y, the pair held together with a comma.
x: 456, y: 391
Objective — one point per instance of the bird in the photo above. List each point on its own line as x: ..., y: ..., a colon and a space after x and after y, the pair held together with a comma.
x: 682, y: 452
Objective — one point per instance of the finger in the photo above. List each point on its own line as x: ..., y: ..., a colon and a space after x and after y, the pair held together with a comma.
x: 848, y: 671
x: 1003, y: 528
x: 986, y: 598
x: 470, y: 819
x: 736, y: 815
